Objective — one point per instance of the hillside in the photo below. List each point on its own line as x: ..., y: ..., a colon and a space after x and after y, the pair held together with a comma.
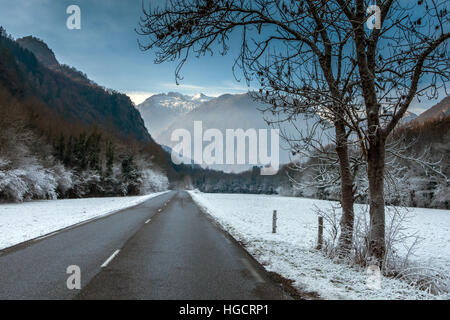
x: 33, y: 71
x: 438, y: 112
x: 41, y: 51
x: 63, y: 136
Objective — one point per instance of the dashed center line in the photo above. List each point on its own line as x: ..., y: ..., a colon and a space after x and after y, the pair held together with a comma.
x: 105, y: 264
x: 148, y: 221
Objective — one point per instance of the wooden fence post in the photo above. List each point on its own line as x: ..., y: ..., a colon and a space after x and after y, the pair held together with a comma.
x: 274, y: 222
x: 320, y: 234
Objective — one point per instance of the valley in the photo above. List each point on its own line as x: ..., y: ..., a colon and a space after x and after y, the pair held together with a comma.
x: 224, y: 150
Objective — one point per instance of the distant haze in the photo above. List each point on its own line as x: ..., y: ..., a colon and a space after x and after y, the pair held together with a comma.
x: 165, y: 113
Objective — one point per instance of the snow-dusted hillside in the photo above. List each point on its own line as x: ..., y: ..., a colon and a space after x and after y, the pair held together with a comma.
x: 25, y: 221
x: 290, y: 252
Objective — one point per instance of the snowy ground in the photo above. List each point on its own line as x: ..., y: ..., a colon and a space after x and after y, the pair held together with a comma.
x: 25, y: 221
x: 289, y: 252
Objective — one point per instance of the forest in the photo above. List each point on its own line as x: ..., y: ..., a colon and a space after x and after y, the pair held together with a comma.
x: 53, y: 145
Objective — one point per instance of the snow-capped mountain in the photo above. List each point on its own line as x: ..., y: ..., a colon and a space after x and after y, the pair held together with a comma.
x: 160, y: 110
x: 408, y: 117
x: 229, y: 111
x: 200, y: 97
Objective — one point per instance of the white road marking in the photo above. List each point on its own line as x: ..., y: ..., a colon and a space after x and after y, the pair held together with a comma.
x: 105, y: 264
x: 159, y: 210
x: 148, y: 221
x: 252, y: 271
x: 46, y: 236
x: 79, y: 224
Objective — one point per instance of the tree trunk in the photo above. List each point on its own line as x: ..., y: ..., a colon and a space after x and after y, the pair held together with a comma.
x: 376, y: 164
x: 347, y: 200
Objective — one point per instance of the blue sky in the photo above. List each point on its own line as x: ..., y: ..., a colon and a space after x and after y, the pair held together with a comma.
x: 106, y: 47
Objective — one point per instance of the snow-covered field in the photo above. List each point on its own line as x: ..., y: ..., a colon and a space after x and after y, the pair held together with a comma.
x: 290, y: 252
x: 25, y: 221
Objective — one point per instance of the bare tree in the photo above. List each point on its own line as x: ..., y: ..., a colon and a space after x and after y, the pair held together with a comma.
x: 404, y: 58
x: 318, y: 57
x: 283, y: 49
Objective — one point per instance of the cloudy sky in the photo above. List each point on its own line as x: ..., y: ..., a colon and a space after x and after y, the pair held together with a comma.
x: 106, y: 48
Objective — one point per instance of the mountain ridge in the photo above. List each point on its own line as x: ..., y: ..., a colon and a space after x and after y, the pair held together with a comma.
x: 40, y: 49
x: 228, y: 111
x: 31, y: 69
x: 165, y: 107
x: 440, y: 111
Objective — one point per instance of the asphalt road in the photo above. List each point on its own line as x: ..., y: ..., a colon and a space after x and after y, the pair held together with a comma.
x: 165, y: 248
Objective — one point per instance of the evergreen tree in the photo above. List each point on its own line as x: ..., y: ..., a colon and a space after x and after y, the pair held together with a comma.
x: 109, y: 159
x: 68, y: 155
x: 130, y: 175
x: 80, y: 152
x: 60, y: 148
x: 93, y: 151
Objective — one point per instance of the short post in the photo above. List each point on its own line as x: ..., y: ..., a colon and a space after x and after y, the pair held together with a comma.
x: 274, y: 222
x: 320, y: 234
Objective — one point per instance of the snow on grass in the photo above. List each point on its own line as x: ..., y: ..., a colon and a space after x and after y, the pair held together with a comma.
x: 433, y: 228
x: 290, y: 252
x: 21, y: 222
